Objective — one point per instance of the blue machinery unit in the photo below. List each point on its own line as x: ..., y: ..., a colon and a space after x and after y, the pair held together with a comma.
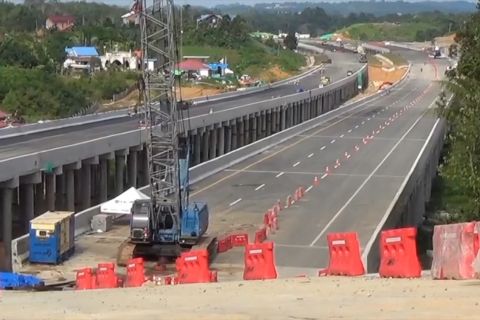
x: 52, y: 237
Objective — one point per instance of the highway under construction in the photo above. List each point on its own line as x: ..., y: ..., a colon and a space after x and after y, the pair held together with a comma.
x: 335, y: 184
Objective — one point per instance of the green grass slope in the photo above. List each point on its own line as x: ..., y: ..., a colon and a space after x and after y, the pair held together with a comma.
x: 409, y: 31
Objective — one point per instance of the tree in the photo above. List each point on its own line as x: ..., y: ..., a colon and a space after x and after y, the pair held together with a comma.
x: 462, y: 164
x: 291, y: 41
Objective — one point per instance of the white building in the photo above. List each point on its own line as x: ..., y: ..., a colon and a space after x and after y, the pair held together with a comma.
x: 122, y: 59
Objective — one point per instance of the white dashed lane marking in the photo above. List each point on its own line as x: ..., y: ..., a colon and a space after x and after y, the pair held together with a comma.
x: 235, y: 202
x: 260, y: 187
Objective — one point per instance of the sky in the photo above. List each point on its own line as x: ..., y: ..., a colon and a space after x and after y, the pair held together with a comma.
x: 212, y: 3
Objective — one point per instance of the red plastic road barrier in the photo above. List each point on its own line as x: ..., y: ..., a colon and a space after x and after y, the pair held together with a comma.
x: 135, y: 273
x: 344, y: 251
x: 224, y: 244
x: 296, y: 195
x: 279, y: 205
x: 455, y: 247
x: 316, y: 181
x: 85, y: 279
x: 106, y: 277
x: 273, y: 220
x: 192, y: 267
x: 289, y: 202
x: 267, y: 220
x: 259, y: 262
x: 398, y: 254
x: 276, y: 208
x: 239, y: 240
x: 261, y: 235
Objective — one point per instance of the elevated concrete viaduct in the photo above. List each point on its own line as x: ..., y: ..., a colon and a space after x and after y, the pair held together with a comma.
x: 71, y: 172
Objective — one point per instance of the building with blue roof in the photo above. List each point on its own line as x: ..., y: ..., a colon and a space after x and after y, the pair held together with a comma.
x: 82, y: 52
x: 86, y: 59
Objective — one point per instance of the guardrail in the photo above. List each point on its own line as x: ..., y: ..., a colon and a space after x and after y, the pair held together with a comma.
x: 110, y: 115
x: 19, y: 246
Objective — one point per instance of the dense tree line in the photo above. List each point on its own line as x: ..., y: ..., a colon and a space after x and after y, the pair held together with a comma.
x: 462, y: 165
x: 31, y: 57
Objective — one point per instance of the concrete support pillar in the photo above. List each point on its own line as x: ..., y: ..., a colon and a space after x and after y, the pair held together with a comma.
x: 120, y: 171
x: 6, y: 197
x: 7, y: 222
x: 60, y: 192
x: 241, y: 132
x: 233, y: 127
x: 70, y: 186
x: 269, y: 122
x: 213, y: 143
x: 27, y: 200
x: 50, y: 191
x: 264, y: 124
x: 294, y: 114
x: 259, y: 121
x: 206, y: 142
x: 277, y: 116
x: 145, y: 178
x: 253, y: 131
x: 228, y: 136
x: 289, y: 116
x: 283, y: 114
x: 40, y: 205
x: 273, y: 125
x: 247, y: 129
x: 132, y: 164
x: 197, y: 147
x: 103, y: 180
x: 86, y: 186
x: 276, y: 122
x: 221, y: 140
x: 302, y: 111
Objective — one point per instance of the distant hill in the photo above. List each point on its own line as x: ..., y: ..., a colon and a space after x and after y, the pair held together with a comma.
x: 377, y: 8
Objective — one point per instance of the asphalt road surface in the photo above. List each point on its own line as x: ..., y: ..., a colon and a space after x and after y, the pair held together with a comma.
x: 353, y: 193
x: 13, y: 147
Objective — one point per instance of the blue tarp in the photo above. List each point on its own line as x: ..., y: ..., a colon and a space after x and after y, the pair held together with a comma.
x: 82, y: 51
x: 17, y: 281
x: 214, y: 66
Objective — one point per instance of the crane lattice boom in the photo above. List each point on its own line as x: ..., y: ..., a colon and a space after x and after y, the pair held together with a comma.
x: 157, y: 26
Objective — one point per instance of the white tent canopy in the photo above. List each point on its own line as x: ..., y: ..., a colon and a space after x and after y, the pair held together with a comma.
x: 122, y: 204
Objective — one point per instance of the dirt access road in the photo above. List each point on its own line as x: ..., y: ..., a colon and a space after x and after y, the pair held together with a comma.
x: 297, y: 298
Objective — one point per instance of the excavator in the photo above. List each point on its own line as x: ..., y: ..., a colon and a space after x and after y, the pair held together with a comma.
x: 167, y: 223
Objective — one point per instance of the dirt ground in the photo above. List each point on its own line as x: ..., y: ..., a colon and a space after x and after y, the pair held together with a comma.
x: 379, y: 75
x: 274, y: 74
x: 195, y: 92
x: 296, y: 298
x: 187, y: 94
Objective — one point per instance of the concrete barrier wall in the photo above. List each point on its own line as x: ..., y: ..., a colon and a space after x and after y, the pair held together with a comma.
x: 408, y: 206
x: 60, y: 123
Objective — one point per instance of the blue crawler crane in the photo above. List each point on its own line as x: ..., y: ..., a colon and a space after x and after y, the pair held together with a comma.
x: 167, y: 223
